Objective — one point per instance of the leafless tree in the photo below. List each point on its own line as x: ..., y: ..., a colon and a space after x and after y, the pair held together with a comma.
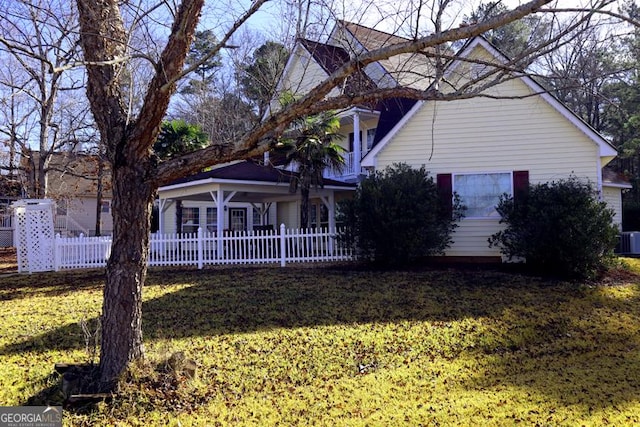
x: 40, y: 39
x: 16, y: 115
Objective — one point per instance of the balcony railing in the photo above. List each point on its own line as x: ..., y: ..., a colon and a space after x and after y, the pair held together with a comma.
x: 351, y: 168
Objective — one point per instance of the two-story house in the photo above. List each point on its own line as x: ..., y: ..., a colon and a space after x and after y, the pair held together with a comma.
x: 479, y: 147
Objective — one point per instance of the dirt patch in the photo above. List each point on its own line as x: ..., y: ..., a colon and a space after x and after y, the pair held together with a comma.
x: 8, y: 260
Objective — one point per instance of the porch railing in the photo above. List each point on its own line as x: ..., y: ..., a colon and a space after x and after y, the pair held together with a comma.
x: 349, y: 168
x: 205, y: 248
x: 69, y: 226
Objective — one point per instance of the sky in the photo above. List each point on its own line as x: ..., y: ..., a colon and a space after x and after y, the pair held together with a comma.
x: 381, y: 14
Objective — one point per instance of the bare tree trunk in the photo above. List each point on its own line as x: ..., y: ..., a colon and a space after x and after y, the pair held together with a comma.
x: 127, y: 145
x: 31, y: 183
x: 126, y: 271
x: 41, y: 188
x: 99, y: 196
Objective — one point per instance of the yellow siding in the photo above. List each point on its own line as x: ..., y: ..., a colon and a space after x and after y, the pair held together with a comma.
x: 302, y: 76
x: 492, y: 135
x: 613, y: 197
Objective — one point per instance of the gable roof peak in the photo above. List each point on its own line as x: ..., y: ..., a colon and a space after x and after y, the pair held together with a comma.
x: 328, y: 56
x: 368, y: 38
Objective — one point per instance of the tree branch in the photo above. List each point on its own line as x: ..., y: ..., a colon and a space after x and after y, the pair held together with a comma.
x: 253, y: 143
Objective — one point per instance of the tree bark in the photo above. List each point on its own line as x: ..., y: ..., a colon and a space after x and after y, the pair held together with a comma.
x: 127, y: 145
x: 99, y: 195
x: 126, y: 271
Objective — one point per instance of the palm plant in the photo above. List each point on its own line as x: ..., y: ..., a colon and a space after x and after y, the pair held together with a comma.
x: 311, y: 145
x: 179, y: 137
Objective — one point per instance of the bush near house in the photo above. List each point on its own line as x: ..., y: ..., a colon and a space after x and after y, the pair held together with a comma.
x: 560, y: 228
x: 398, y: 216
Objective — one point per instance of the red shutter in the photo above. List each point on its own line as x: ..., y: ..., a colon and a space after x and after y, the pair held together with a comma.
x: 445, y: 190
x: 520, y: 185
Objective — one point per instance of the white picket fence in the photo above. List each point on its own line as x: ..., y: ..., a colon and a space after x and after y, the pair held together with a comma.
x: 204, y: 248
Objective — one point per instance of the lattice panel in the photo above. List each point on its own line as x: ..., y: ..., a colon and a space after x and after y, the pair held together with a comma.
x: 34, y: 236
x: 20, y: 237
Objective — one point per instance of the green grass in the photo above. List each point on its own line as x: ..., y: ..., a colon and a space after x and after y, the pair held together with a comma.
x: 341, y: 346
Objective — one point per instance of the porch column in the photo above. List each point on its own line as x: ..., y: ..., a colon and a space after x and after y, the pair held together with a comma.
x: 221, y: 202
x: 330, y: 203
x: 219, y: 199
x: 357, y: 144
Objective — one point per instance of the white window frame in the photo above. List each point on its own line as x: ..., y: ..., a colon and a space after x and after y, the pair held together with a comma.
x: 259, y: 218
x: 244, y: 216
x: 212, y: 223
x: 495, y: 214
x: 192, y: 226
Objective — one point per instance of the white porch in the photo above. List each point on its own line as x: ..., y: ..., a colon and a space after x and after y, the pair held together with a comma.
x: 221, y: 200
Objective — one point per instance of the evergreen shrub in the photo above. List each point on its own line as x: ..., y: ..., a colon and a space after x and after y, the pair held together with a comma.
x: 559, y: 228
x: 398, y: 216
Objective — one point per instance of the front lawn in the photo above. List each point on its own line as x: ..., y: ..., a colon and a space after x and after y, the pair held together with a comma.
x: 341, y: 346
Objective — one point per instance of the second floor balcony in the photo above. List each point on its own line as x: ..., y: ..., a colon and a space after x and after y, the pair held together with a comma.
x: 350, y: 171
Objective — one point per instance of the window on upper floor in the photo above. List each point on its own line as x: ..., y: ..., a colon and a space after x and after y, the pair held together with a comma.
x: 366, y: 143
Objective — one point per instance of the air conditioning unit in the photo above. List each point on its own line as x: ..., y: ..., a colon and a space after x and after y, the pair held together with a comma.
x: 630, y: 242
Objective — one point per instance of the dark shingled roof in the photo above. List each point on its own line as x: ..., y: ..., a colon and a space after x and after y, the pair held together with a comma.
x: 391, y: 112
x: 249, y: 170
x: 331, y: 58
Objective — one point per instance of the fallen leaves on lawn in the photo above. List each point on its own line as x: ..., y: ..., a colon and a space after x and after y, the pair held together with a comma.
x: 334, y: 346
